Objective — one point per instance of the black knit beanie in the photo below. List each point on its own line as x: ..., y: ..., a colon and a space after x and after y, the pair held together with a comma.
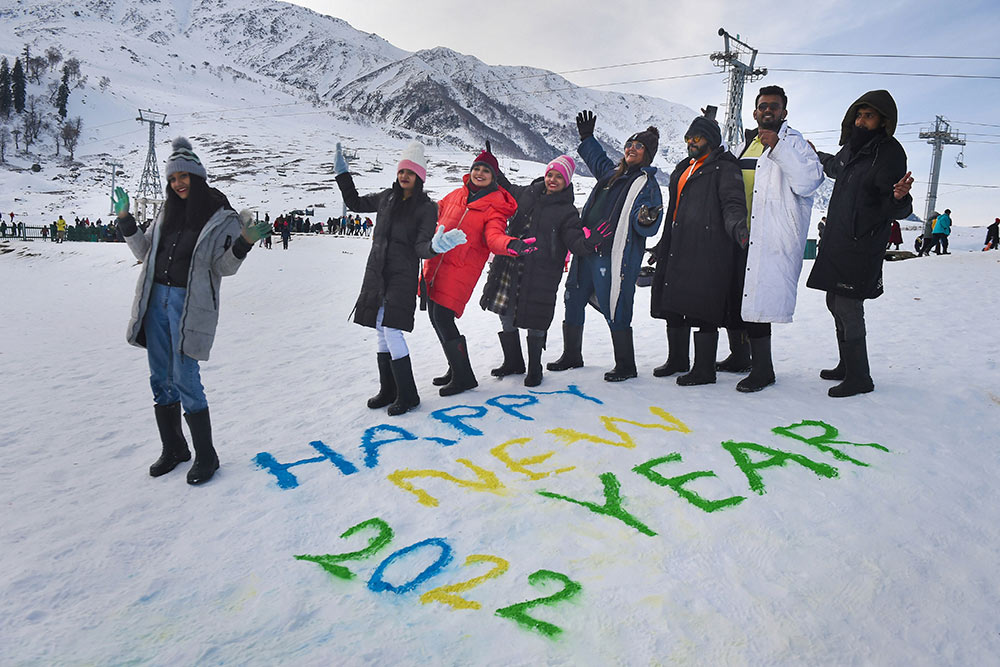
x: 706, y: 128
x: 650, y: 138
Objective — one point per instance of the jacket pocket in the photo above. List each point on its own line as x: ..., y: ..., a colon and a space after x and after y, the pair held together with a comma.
x: 211, y: 287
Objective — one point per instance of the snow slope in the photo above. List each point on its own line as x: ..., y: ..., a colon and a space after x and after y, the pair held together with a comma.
x: 878, y: 548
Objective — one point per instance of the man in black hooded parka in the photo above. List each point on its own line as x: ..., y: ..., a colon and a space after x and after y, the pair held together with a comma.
x: 872, y: 189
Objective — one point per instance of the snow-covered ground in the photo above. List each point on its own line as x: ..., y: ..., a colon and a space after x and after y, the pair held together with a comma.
x: 874, y: 546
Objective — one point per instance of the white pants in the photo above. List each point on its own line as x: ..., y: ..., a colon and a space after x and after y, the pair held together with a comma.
x: 390, y: 340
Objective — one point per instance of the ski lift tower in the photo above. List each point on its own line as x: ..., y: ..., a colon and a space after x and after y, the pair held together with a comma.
x: 940, y: 136
x: 150, y: 190
x: 739, y: 73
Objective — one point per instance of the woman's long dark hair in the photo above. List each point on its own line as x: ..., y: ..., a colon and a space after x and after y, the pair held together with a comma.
x: 201, y: 203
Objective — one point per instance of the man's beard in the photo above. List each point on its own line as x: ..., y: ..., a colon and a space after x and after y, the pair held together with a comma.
x: 861, y: 136
x: 774, y: 124
x: 695, y: 152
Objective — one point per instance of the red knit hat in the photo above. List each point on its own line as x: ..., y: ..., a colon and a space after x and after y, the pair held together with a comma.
x: 486, y: 159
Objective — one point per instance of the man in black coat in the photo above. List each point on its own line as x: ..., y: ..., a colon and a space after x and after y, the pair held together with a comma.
x: 871, y: 190
x: 705, y: 232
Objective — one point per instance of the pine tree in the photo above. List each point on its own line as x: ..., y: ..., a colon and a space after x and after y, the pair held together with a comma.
x: 62, y: 97
x: 6, y: 99
x: 18, y: 85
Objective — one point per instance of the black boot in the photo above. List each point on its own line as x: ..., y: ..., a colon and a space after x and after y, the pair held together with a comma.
x: 738, y: 360
x: 762, y: 374
x: 837, y: 372
x: 513, y: 359
x: 857, y: 376
x: 406, y: 389
x: 442, y: 380
x: 206, y: 462
x: 678, y: 352
x: 572, y: 356
x: 624, y: 357
x: 462, y: 377
x: 535, y: 346
x: 175, y: 447
x: 706, y: 344
x: 387, y: 386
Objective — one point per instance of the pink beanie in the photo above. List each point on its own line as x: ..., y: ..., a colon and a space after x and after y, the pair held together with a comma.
x: 414, y: 160
x: 565, y: 165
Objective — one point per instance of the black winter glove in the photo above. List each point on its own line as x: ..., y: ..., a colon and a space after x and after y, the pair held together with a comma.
x: 651, y: 260
x: 585, y: 121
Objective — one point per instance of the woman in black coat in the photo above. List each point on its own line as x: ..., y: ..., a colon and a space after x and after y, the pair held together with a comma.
x: 404, y: 226
x: 522, y: 286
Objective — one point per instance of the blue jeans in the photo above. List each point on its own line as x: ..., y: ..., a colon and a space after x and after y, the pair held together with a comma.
x: 591, y: 282
x: 173, y: 376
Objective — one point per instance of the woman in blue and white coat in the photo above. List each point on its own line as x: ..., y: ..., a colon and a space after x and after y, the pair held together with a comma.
x: 624, y: 209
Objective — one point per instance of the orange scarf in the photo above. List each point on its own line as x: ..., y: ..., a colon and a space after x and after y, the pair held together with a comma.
x: 695, y: 166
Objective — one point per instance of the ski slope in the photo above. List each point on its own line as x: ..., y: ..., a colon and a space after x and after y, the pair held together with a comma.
x: 872, y: 539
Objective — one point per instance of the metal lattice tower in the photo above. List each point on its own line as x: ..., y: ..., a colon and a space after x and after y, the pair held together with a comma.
x: 738, y: 75
x: 150, y: 189
x: 940, y: 136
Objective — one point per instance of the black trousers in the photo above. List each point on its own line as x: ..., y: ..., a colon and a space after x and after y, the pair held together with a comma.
x: 848, y: 316
x: 443, y: 321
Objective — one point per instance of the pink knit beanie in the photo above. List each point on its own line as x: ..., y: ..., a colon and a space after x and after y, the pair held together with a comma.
x: 565, y: 165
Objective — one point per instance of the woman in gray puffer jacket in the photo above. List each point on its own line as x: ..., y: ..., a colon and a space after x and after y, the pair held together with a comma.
x: 195, y: 240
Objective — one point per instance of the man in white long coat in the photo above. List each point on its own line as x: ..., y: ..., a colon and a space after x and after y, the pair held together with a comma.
x: 781, y: 172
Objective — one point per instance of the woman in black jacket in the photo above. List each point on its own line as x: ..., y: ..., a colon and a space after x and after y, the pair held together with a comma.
x: 522, y: 286
x: 404, y: 226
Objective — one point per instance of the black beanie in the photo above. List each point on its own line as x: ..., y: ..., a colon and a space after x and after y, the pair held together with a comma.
x: 706, y: 128
x: 650, y: 138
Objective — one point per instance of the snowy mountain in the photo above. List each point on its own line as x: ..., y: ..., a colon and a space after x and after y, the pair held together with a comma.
x: 177, y: 55
x: 525, y: 112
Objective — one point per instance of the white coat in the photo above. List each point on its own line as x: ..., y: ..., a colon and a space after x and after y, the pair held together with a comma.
x: 785, y: 180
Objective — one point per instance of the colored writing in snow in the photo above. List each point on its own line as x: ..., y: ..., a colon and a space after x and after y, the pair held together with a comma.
x: 748, y: 457
x: 462, y: 419
x: 382, y: 580
x: 487, y: 481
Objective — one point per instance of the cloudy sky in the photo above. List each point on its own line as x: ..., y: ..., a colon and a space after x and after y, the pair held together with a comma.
x: 563, y: 36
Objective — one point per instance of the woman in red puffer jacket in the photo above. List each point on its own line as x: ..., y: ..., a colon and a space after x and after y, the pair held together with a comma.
x: 480, y: 210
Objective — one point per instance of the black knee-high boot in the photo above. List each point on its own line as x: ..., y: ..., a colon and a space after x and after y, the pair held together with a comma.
x: 738, y: 360
x: 175, y: 447
x: 706, y: 344
x: 406, y: 389
x: 624, y: 357
x: 857, y: 374
x: 535, y: 346
x: 387, y: 386
x: 513, y: 358
x: 206, y: 462
x: 678, y: 352
x: 462, y: 376
x: 762, y: 373
x: 572, y: 356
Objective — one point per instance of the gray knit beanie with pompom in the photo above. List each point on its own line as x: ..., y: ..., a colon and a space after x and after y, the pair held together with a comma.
x: 183, y: 159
